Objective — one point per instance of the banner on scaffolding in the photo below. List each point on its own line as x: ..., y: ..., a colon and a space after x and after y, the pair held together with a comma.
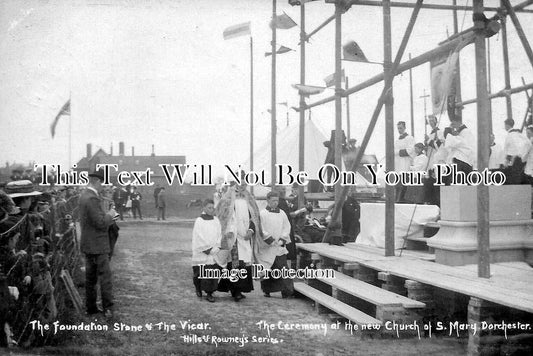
x: 443, y: 82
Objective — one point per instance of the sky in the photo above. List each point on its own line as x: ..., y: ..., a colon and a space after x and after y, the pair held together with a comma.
x: 158, y: 72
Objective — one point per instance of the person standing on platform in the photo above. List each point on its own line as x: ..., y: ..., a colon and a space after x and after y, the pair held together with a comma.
x: 136, y: 198
x: 497, y: 157
x: 276, y: 223
x: 206, y: 239
x: 436, y: 154
x: 161, y: 204
x: 434, y: 142
x: 351, y: 214
x: 94, y: 224
x: 515, y: 149
x: 459, y: 145
x: 420, y: 162
x: 404, y: 151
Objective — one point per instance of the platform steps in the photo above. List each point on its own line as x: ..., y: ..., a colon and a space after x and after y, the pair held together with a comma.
x: 362, y: 302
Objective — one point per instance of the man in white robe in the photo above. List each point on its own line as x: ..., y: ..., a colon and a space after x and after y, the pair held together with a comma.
x: 515, y: 149
x: 434, y: 141
x: 497, y: 157
x: 459, y: 144
x: 206, y: 239
x: 243, y: 237
x: 404, y: 151
x: 277, y: 229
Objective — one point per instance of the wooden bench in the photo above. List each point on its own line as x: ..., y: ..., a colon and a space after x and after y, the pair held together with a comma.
x: 370, y: 293
x: 344, y: 310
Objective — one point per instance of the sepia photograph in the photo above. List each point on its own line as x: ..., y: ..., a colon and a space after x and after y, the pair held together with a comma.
x: 266, y: 177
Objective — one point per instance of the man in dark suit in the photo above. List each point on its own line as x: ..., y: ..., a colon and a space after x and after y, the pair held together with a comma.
x: 94, y: 224
x: 161, y: 204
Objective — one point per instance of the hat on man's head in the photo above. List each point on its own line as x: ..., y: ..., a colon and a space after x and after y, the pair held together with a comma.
x: 99, y: 173
x: 21, y: 188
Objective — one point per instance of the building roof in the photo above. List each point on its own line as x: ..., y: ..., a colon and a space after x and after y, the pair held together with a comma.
x: 140, y: 163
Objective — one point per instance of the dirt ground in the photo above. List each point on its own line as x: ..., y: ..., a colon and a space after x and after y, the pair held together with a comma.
x: 153, y: 285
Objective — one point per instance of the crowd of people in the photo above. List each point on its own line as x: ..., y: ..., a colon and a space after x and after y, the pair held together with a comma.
x: 455, y: 145
x: 37, y: 242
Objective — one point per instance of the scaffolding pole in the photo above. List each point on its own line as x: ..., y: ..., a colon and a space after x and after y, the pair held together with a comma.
x: 506, y: 71
x: 390, y: 191
x: 444, y: 49
x: 381, y: 101
x: 483, y: 133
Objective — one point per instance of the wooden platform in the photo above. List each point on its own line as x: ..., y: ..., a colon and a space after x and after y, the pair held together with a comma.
x: 335, y: 305
x: 370, y: 293
x: 462, y: 280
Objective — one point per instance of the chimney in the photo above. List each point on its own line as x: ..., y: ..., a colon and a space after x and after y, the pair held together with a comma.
x: 121, y: 148
x: 132, y: 151
x: 153, y: 151
x: 111, y: 149
x: 89, y: 150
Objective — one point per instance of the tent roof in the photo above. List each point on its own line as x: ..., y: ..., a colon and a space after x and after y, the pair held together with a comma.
x: 287, y: 141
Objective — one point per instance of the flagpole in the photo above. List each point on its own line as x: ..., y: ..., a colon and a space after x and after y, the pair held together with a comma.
x: 251, y: 107
x: 273, y: 98
x: 411, y: 100
x: 301, y: 143
x: 348, y: 136
x: 70, y: 132
x: 338, y: 95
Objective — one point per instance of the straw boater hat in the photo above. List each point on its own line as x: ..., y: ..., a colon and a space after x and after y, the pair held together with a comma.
x: 21, y: 188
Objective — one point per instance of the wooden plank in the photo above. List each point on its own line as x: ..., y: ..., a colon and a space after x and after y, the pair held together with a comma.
x: 381, y: 252
x: 480, y: 288
x: 506, y: 275
x: 370, y: 293
x: 441, y: 276
x: 72, y: 291
x: 340, y: 253
x: 335, y: 305
x: 517, y: 265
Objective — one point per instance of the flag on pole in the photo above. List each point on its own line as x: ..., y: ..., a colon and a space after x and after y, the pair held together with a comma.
x: 281, y: 50
x: 65, y: 110
x: 352, y: 52
x: 443, y: 73
x: 283, y: 22
x: 242, y: 29
x: 330, y: 79
x: 308, y: 89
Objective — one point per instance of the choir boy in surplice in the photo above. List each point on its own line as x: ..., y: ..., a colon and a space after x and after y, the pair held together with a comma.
x: 277, y: 230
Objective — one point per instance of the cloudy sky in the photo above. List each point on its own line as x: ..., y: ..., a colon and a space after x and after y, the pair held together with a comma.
x: 159, y: 72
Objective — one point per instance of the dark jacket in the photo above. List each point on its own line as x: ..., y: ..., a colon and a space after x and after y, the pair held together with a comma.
x: 94, y: 224
x: 161, y: 202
